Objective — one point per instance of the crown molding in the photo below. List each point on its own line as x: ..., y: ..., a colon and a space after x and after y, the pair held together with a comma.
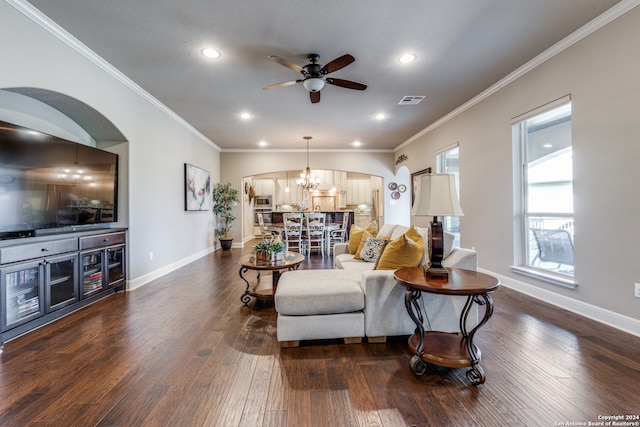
x: 46, y: 23
x: 302, y: 150
x: 595, y: 24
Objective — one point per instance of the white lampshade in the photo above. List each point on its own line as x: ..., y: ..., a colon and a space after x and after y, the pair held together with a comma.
x: 436, y: 195
x: 313, y: 84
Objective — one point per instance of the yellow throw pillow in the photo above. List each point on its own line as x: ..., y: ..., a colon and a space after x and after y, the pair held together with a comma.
x: 415, y: 235
x: 405, y: 251
x: 363, y: 237
x: 372, y: 228
x: 355, y: 236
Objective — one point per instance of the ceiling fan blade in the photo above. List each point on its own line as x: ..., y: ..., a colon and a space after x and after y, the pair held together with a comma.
x: 346, y: 83
x: 337, y: 64
x: 315, y: 97
x: 283, y: 84
x: 287, y: 64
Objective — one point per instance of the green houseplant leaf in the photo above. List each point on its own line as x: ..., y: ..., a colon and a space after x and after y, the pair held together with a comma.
x: 224, y: 198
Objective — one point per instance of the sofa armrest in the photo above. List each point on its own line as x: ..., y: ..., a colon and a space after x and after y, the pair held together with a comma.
x: 340, y: 248
x: 385, y: 313
x: 462, y: 258
x: 384, y: 310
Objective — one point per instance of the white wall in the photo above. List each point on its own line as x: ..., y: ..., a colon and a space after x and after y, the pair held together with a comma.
x: 601, y: 73
x: 159, y: 143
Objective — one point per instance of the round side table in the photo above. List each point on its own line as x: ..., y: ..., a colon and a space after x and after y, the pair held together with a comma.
x: 442, y: 348
x: 259, y: 288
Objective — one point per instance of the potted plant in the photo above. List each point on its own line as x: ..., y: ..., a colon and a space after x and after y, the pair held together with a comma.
x: 277, y: 249
x: 269, y: 250
x: 224, y: 198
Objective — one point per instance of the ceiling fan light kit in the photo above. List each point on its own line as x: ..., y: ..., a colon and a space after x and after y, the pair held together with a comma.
x: 314, y: 75
x: 313, y: 84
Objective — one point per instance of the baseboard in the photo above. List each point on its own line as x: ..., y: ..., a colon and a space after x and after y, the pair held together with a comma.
x: 146, y: 278
x: 599, y: 314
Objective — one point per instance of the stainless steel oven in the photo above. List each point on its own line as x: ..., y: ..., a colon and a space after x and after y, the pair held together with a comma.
x: 263, y: 202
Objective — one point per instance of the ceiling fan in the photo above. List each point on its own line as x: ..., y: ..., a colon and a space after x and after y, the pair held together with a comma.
x: 313, y: 75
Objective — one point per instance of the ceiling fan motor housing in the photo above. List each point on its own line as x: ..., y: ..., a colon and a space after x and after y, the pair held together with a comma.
x: 313, y: 81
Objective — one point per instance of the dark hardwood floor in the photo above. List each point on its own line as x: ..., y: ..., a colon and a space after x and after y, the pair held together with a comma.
x: 184, y: 351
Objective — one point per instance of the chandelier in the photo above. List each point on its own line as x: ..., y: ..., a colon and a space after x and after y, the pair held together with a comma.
x: 307, y: 180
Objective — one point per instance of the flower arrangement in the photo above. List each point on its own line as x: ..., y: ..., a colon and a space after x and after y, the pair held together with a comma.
x: 270, y: 250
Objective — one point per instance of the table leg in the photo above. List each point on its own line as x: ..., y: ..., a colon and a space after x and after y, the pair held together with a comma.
x: 411, y: 302
x: 476, y: 373
x: 245, y: 298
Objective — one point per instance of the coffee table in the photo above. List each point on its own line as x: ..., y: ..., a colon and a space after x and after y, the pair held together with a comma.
x: 442, y: 348
x: 262, y: 289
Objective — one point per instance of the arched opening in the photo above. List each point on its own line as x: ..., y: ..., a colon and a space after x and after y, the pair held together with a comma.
x: 336, y: 191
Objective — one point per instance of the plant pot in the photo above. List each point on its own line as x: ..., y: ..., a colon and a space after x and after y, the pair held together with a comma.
x: 225, y: 243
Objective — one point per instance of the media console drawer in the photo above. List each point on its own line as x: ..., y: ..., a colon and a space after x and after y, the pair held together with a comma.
x: 102, y: 240
x: 37, y: 250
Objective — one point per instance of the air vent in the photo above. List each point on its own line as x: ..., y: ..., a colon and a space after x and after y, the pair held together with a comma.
x: 410, y: 100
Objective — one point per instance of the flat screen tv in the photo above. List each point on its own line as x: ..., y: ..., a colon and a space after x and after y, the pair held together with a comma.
x: 49, y: 184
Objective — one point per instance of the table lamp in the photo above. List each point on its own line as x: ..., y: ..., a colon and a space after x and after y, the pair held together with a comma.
x: 436, y: 196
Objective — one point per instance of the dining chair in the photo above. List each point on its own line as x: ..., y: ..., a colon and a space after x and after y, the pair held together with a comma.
x: 315, y: 232
x: 293, y: 235
x: 266, y: 234
x: 338, y: 234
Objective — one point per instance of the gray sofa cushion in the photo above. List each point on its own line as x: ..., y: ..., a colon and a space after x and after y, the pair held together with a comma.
x: 309, y: 292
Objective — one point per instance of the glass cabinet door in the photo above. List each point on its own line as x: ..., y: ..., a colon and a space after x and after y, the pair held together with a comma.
x: 21, y: 293
x: 115, y: 265
x: 92, y: 271
x: 62, y: 282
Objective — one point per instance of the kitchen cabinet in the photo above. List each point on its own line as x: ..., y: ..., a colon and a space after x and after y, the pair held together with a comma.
x: 340, y: 180
x: 325, y: 177
x: 359, y: 191
x: 294, y: 195
x: 264, y: 186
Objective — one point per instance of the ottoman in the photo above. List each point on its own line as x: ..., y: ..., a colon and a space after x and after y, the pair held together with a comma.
x: 319, y: 304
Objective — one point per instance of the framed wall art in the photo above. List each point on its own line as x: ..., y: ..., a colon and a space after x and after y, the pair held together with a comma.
x: 415, y: 177
x: 197, y: 188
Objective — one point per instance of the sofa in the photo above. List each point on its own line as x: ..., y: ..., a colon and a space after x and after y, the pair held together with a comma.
x: 355, y: 300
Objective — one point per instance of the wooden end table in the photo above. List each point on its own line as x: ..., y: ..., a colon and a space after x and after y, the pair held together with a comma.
x: 260, y: 289
x: 442, y: 348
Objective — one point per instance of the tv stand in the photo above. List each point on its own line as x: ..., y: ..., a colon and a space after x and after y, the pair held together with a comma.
x: 8, y: 235
x: 47, y: 277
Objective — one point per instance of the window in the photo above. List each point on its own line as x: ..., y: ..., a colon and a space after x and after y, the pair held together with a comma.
x: 544, y: 140
x: 447, y: 161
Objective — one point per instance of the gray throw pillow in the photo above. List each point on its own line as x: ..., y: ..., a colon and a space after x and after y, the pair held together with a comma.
x: 371, y: 250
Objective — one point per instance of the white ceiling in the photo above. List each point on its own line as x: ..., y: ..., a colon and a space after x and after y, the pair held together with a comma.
x: 463, y: 47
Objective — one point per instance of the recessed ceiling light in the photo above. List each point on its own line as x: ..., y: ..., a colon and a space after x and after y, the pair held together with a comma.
x: 380, y: 116
x: 407, y: 58
x: 245, y: 116
x: 262, y: 143
x: 356, y: 143
x: 210, y: 53
x: 547, y: 145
